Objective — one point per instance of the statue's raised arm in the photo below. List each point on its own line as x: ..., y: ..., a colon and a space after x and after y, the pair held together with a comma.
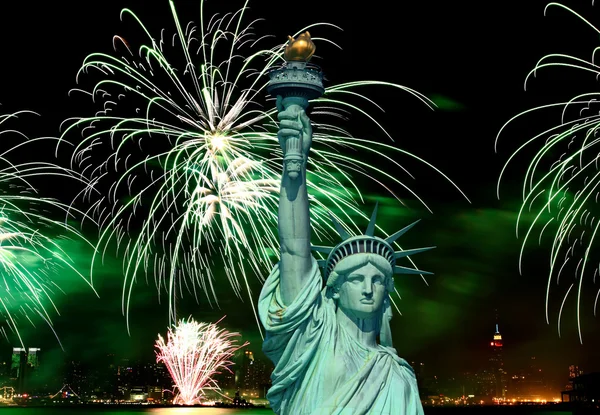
x: 295, y: 137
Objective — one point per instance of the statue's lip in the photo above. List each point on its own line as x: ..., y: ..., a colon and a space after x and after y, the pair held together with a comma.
x: 367, y: 301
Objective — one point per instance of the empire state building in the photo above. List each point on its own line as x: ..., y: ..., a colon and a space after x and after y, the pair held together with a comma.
x: 497, y: 365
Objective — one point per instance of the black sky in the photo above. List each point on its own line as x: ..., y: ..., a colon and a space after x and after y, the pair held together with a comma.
x: 476, y: 54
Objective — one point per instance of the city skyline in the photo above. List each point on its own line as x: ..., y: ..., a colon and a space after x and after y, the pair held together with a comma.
x: 112, y: 377
x: 473, y: 68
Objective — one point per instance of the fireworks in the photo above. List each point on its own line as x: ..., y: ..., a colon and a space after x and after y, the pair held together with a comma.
x: 561, y: 184
x: 199, y: 163
x: 30, y: 242
x: 193, y: 354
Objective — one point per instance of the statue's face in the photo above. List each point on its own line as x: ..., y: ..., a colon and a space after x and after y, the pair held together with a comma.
x: 362, y: 293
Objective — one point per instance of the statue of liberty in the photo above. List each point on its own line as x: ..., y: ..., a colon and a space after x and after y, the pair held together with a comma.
x: 328, y: 333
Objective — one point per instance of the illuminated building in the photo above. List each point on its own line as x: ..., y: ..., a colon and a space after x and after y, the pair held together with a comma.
x: 4, y: 374
x: 529, y: 384
x: 226, y: 379
x: 155, y: 394
x: 138, y: 393
x: 485, y: 385
x: 247, y: 373
x: 17, y: 367
x: 33, y: 357
x: 574, y: 371
x: 74, y: 376
x: 262, y: 376
x: 156, y: 380
x: 32, y: 370
x: 497, y: 366
x: 585, y: 391
x: 253, y: 377
x: 419, y: 369
x: 24, y: 366
x: 124, y: 379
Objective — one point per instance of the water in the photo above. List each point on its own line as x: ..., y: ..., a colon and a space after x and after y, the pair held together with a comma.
x: 79, y: 410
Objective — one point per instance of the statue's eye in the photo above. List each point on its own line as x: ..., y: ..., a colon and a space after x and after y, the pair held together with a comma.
x: 355, y: 279
x: 378, y: 280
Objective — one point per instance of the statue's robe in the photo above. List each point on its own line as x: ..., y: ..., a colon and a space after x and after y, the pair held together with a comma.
x: 319, y: 368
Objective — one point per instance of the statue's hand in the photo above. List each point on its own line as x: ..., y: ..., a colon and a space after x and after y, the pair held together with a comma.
x: 295, y: 130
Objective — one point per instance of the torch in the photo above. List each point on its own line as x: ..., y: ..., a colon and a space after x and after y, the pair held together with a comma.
x: 295, y: 83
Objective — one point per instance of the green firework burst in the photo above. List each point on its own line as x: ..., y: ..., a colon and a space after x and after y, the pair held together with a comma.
x: 200, y: 161
x: 562, y: 183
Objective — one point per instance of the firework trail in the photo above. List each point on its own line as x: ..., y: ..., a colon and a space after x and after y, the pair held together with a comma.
x: 193, y: 354
x: 199, y: 163
x: 31, y: 255
x: 561, y: 183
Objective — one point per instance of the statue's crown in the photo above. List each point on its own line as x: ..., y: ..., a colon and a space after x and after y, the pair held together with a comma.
x: 367, y: 244
x: 299, y: 49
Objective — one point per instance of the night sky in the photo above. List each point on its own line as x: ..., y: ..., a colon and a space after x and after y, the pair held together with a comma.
x: 471, y: 60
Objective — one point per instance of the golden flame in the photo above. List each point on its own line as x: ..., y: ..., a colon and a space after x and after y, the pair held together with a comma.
x: 300, y: 49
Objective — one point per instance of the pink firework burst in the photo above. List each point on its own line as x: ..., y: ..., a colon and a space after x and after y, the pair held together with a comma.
x: 193, y: 354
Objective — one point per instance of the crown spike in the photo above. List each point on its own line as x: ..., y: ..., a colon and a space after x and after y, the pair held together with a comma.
x: 403, y: 270
x: 371, y: 227
x: 391, y: 239
x: 322, y: 249
x: 340, y: 230
x: 408, y: 252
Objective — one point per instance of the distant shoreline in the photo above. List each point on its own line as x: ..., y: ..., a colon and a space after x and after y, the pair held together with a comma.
x: 133, y: 406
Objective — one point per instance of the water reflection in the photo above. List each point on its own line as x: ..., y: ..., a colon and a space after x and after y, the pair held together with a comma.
x: 133, y: 410
x: 208, y: 411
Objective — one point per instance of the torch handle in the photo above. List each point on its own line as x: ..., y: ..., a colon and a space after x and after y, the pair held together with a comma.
x: 293, y: 147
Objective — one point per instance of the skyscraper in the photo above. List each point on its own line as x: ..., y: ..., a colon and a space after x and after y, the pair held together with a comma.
x: 419, y: 368
x: 33, y: 357
x: 497, y: 365
x: 574, y: 372
x: 17, y: 368
x: 253, y: 376
x: 248, y: 372
x: 32, y: 370
x: 15, y: 365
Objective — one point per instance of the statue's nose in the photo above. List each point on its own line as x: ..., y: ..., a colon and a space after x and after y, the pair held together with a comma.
x: 367, y: 288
